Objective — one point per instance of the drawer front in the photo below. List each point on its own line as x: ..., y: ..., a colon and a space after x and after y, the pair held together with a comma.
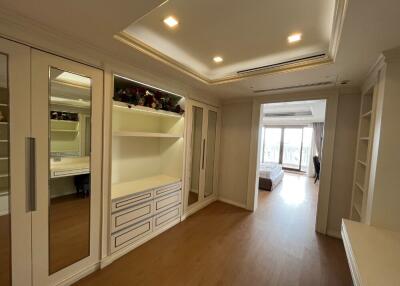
x: 167, y: 216
x: 130, y: 235
x: 167, y: 190
x: 131, y: 216
x: 131, y: 201
x: 165, y: 202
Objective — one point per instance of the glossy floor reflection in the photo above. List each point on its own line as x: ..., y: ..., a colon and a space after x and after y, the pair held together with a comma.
x: 226, y: 245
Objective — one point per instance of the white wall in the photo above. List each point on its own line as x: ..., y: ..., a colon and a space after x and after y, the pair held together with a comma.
x: 343, y: 160
x: 385, y: 195
x: 235, y: 153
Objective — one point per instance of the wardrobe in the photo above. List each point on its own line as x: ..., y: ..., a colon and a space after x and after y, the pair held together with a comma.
x: 50, y: 114
x: 92, y: 164
x: 202, y: 156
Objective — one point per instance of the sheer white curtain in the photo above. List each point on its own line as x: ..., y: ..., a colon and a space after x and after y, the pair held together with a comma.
x: 316, y: 146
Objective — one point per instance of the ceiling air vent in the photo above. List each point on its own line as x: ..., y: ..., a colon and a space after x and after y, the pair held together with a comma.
x: 293, y: 62
x: 288, y: 114
x: 315, y: 84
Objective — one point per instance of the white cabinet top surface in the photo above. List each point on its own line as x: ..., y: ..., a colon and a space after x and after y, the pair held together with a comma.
x: 121, y: 190
x: 373, y: 253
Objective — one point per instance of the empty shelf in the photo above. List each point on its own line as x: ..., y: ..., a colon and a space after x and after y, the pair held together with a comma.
x: 145, y: 134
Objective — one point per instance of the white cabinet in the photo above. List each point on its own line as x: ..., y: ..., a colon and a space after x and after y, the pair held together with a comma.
x: 141, y: 211
x: 147, y: 158
x: 53, y: 184
x: 202, y: 155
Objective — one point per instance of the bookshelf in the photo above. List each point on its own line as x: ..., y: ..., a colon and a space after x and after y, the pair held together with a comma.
x: 363, y: 156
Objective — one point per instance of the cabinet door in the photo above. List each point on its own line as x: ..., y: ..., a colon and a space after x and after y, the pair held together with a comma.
x: 212, y: 140
x: 15, y: 212
x: 196, y: 152
x: 67, y: 124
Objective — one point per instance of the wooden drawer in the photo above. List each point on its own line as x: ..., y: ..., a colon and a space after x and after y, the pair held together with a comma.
x: 129, y: 235
x: 131, y: 216
x: 167, y: 216
x: 130, y: 201
x: 166, y: 190
x: 165, y: 202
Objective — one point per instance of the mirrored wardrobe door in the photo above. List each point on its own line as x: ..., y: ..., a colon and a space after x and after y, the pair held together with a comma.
x: 15, y: 215
x: 210, y: 153
x: 67, y: 97
x: 196, y: 155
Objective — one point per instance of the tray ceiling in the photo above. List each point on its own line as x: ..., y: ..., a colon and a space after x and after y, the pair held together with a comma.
x: 245, y: 34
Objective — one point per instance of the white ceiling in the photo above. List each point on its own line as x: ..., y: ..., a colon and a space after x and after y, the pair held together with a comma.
x: 370, y: 27
x: 315, y: 107
x: 247, y: 34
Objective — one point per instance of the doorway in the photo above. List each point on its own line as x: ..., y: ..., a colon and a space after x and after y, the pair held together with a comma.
x: 298, y: 126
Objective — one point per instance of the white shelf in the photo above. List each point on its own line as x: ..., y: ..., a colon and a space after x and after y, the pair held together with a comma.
x: 3, y: 104
x: 362, y: 163
x: 373, y: 254
x: 364, y: 138
x: 3, y: 158
x: 64, y: 130
x: 65, y: 121
x: 360, y: 187
x: 145, y: 134
x: 366, y: 114
x: 358, y: 209
x: 3, y: 123
x: 4, y: 175
x: 121, y: 190
x: 123, y: 107
x: 3, y: 141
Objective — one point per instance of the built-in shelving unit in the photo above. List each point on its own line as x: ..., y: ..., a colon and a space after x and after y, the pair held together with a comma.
x: 363, y: 157
x: 147, y: 163
x: 4, y: 148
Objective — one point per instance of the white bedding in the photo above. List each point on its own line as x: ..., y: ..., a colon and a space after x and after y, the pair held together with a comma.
x: 270, y: 170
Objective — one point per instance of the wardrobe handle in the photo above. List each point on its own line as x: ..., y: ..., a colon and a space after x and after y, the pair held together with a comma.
x: 31, y: 174
x: 204, y: 150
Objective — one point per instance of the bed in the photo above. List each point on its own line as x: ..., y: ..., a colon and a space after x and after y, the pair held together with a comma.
x: 270, y: 176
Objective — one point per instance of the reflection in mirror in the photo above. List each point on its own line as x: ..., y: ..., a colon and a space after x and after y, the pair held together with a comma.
x: 197, y: 126
x: 69, y: 180
x: 210, y: 157
x: 5, y: 215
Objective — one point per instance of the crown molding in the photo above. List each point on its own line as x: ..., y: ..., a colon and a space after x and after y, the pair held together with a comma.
x: 337, y: 27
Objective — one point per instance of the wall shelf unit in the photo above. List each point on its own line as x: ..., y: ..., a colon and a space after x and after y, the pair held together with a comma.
x: 363, y: 157
x: 146, y: 168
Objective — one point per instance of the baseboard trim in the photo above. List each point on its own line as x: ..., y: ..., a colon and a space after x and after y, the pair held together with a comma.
x: 233, y: 203
x: 334, y: 233
x: 114, y: 256
x: 198, y: 207
x: 78, y: 276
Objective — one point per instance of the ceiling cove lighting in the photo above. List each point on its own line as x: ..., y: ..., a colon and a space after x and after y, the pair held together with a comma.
x: 218, y: 59
x: 171, y: 22
x: 294, y: 38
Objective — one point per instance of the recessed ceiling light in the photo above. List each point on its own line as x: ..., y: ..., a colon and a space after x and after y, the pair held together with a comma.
x: 170, y: 21
x: 294, y: 38
x: 218, y: 59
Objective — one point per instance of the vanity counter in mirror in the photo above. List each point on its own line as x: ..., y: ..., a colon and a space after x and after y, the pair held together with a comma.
x: 69, y: 167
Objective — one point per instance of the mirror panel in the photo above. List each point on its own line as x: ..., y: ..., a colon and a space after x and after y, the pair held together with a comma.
x: 197, y: 135
x: 5, y: 214
x: 69, y: 173
x: 210, y: 156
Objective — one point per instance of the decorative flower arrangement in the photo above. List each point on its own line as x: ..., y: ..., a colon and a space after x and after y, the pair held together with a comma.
x: 135, y: 94
x: 60, y: 115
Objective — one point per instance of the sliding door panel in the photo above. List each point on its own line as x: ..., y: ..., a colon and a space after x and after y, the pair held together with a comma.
x: 197, y: 146
x: 292, y: 140
x: 210, y: 153
x: 272, y: 145
x: 66, y: 225
x: 15, y: 216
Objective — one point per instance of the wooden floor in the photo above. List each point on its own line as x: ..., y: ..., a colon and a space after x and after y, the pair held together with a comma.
x: 69, y: 231
x: 5, y: 245
x: 225, y: 245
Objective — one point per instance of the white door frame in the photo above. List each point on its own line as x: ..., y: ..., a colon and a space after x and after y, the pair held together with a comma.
x: 331, y: 97
x: 41, y: 62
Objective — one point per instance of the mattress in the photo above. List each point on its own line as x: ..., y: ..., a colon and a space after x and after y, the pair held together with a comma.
x: 270, y: 170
